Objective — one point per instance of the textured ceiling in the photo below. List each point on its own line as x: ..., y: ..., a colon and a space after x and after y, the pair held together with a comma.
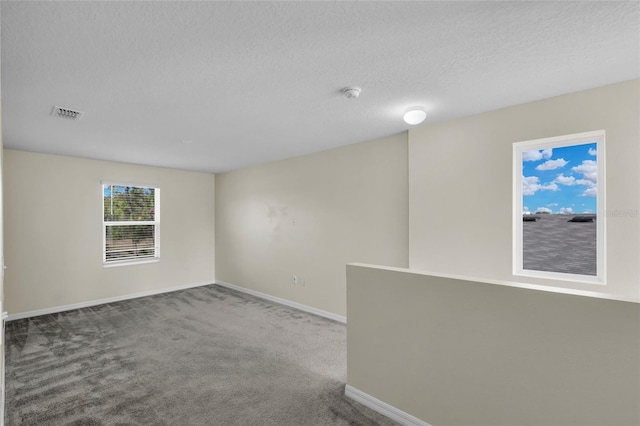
x: 250, y: 82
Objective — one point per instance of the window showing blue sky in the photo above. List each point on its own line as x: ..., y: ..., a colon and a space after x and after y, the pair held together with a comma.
x: 560, y: 180
x: 121, y: 189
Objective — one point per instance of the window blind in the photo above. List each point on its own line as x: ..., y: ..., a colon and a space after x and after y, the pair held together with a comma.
x: 130, y: 223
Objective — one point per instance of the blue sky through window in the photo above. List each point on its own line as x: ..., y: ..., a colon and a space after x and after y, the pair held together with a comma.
x: 560, y: 180
x: 120, y: 189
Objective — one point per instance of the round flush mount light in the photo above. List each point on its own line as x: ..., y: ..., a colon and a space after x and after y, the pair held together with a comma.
x: 351, y: 92
x: 415, y: 115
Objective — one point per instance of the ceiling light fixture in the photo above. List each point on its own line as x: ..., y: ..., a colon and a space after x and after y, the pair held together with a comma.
x: 351, y: 92
x: 415, y: 115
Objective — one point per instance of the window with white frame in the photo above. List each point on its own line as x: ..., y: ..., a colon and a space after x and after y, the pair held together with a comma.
x: 131, y: 223
x: 559, y: 219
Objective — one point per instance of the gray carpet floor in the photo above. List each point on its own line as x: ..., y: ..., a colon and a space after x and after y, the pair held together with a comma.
x: 202, y: 356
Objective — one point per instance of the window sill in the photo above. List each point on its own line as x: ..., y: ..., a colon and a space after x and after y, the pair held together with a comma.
x: 558, y: 276
x: 130, y: 262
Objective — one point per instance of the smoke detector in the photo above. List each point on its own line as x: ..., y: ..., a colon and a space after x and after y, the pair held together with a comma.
x: 66, y: 113
x: 351, y: 92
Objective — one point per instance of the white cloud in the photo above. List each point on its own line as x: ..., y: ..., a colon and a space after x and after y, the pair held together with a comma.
x: 531, y: 185
x: 552, y: 164
x: 585, y: 182
x: 543, y: 210
x: 565, y: 180
x: 552, y: 205
x: 525, y: 209
x: 537, y: 155
x: 588, y: 169
x: 565, y: 210
x: 593, y: 151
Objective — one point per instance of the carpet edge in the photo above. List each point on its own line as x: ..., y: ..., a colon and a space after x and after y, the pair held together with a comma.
x: 291, y: 304
x: 95, y: 302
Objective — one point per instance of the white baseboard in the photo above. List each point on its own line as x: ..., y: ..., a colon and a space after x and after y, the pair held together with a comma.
x: 286, y: 302
x: 57, y: 309
x: 383, y: 408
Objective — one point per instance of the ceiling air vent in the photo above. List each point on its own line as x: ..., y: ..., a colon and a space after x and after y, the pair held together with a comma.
x: 66, y: 113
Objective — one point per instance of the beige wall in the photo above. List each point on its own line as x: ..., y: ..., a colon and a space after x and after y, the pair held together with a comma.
x: 460, y: 185
x: 311, y: 215
x: 455, y: 352
x: 53, y: 231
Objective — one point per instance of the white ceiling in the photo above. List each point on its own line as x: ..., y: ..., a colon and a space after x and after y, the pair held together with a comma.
x: 250, y: 82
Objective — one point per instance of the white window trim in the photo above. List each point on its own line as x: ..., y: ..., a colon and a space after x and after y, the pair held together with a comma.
x: 597, y: 136
x: 116, y: 263
x: 156, y: 223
